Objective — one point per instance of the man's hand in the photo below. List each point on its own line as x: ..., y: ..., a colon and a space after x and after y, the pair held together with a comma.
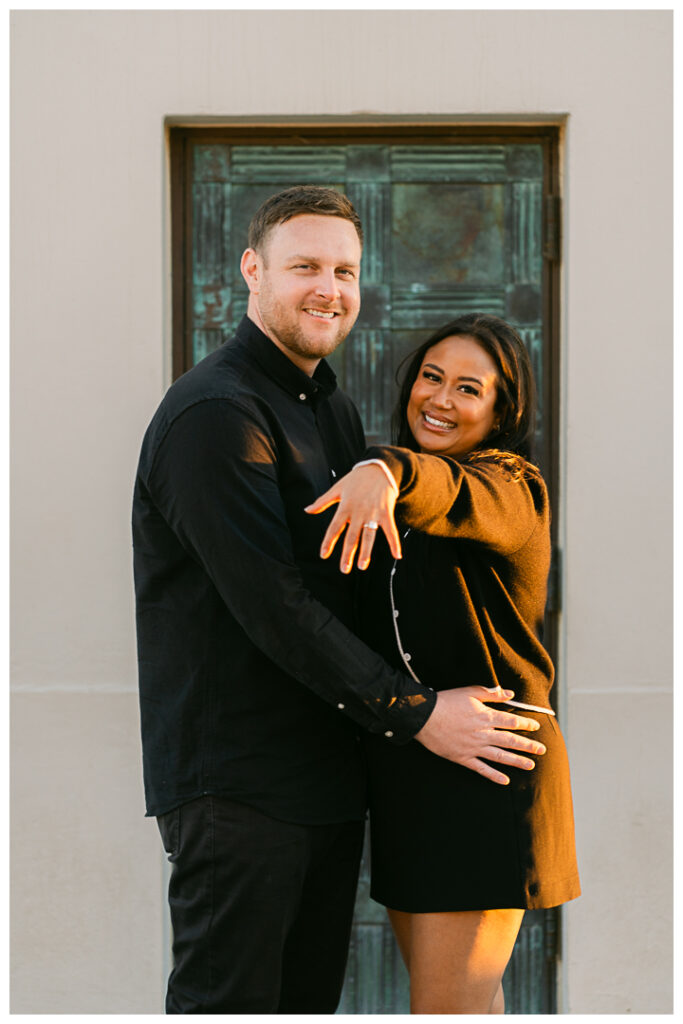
x: 462, y: 729
x: 366, y: 503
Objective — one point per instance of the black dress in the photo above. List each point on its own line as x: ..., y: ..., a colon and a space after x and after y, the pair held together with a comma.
x: 465, y: 605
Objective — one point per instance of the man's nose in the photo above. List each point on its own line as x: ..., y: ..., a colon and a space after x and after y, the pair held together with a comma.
x: 327, y: 285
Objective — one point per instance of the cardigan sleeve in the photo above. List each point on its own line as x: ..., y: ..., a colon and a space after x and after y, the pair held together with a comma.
x: 481, y: 501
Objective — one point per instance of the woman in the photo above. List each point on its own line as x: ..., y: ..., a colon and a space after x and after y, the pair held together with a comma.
x: 456, y: 859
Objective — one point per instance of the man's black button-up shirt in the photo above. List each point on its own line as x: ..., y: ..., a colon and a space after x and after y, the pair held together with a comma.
x: 251, y: 684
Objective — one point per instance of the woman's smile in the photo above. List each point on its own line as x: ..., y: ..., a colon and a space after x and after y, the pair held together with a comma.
x: 438, y: 424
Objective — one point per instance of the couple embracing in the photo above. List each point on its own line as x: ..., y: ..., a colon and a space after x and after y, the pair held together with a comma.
x: 283, y: 692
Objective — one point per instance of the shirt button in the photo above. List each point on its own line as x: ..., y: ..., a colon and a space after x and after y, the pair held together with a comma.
x: 302, y: 397
x: 407, y: 657
x: 340, y: 706
x: 388, y: 734
x: 396, y: 613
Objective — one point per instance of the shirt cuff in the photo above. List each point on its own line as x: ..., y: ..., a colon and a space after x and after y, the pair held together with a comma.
x: 382, y: 465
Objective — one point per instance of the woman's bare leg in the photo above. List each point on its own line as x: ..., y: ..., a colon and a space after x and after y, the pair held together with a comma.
x: 457, y: 960
x: 400, y: 923
x: 498, y: 1004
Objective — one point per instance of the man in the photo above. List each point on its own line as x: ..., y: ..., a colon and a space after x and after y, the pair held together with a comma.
x: 252, y: 687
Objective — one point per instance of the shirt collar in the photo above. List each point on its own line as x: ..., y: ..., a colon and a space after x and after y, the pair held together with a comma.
x: 276, y: 364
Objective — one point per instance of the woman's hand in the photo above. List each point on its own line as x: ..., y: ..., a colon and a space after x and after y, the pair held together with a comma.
x: 366, y: 502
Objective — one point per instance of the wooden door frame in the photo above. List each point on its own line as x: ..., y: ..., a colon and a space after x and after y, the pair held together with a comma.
x: 306, y: 133
x: 312, y: 132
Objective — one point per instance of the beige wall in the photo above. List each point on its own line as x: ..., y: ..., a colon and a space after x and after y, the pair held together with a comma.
x: 90, y: 360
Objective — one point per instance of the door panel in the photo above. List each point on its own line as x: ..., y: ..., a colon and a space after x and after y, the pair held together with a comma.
x: 453, y: 223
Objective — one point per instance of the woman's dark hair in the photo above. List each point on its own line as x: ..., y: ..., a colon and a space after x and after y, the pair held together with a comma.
x: 515, y: 404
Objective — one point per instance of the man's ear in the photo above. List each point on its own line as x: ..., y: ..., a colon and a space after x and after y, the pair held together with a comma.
x: 250, y: 265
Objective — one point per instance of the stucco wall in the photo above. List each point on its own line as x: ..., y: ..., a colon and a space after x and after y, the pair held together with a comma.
x: 90, y: 360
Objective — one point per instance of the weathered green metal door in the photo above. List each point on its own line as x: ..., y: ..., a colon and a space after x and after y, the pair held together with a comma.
x: 453, y: 223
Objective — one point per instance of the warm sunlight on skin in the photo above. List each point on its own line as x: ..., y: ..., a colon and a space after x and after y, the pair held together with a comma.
x: 304, y: 286
x: 452, y: 402
x: 451, y: 409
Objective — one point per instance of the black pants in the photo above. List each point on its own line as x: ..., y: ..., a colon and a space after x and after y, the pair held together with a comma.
x: 261, y: 909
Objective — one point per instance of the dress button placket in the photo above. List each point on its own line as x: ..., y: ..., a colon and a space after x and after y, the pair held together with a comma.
x: 405, y: 656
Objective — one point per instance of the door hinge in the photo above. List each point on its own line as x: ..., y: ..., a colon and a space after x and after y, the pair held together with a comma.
x: 552, y: 229
x: 554, y: 603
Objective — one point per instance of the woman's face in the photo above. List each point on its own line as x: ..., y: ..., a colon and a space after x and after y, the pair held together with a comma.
x: 452, y: 402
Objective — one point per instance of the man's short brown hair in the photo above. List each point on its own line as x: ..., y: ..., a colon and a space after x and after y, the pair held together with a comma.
x: 293, y: 202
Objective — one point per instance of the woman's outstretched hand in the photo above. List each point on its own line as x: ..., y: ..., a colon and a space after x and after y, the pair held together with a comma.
x: 366, y: 501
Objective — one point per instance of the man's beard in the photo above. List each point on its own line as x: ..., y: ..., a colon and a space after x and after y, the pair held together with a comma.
x: 282, y: 323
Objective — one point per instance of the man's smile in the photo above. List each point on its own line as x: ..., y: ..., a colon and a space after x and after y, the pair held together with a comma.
x: 322, y: 314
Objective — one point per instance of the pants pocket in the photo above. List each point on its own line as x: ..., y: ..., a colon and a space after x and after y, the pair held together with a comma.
x: 169, y: 827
